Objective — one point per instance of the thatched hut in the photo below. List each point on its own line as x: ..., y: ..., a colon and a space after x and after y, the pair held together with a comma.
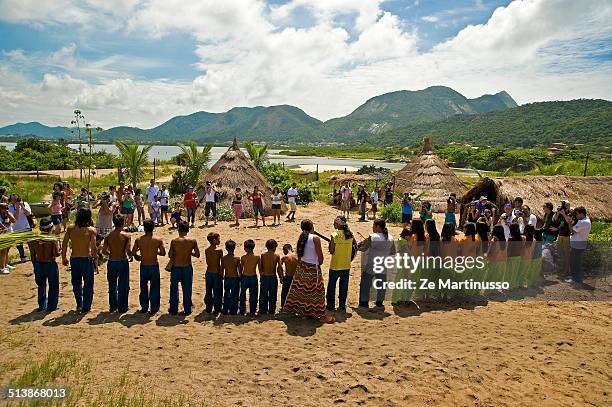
x: 591, y: 192
x: 340, y: 179
x: 430, y: 174
x: 235, y: 170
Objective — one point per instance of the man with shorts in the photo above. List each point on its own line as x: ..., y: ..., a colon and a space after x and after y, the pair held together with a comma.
x: 292, y: 194
x: 345, y: 204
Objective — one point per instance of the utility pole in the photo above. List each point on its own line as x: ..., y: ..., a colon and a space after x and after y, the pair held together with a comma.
x: 586, y: 163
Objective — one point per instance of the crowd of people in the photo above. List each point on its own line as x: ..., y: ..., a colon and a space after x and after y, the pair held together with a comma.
x: 231, y: 280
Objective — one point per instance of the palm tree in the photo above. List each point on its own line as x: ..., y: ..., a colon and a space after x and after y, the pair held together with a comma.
x: 195, y: 161
x: 258, y: 155
x: 133, y: 159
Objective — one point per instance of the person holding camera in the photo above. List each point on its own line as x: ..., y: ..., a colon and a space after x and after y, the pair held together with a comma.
x: 579, y: 234
x: 22, y: 213
x: 426, y: 211
x: 563, y: 235
x: 104, y: 223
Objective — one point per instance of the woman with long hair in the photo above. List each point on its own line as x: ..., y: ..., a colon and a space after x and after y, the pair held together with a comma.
x: 306, y: 295
x: 277, y: 202
x: 515, y: 248
x: 470, y: 247
x: 448, y: 249
x: 379, y: 244
x: 432, y: 272
x: 341, y: 250
x: 497, y: 255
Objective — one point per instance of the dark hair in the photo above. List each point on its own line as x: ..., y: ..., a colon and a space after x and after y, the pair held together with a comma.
x: 515, y: 232
x: 498, y: 233
x: 230, y: 246
x: 271, y: 244
x: 118, y: 220
x: 482, y: 230
x: 537, y: 235
x: 306, y: 225
x: 138, y: 191
x: 287, y: 248
x: 518, y: 199
x: 448, y: 231
x: 383, y: 226
x: 529, y: 232
x: 83, y: 218
x: 212, y: 236
x: 345, y: 227
x: 57, y: 195
x: 430, y: 226
x: 183, y: 227
x: 581, y: 209
x: 470, y: 230
x: 417, y: 229
x: 405, y: 233
x: 148, y: 225
x: 249, y: 245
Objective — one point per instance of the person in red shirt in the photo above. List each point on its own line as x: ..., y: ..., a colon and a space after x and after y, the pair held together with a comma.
x: 257, y: 199
x: 189, y: 201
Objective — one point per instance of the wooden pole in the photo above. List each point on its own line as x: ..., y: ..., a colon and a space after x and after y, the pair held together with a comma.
x: 154, y: 177
x: 586, y: 163
x: 317, y: 172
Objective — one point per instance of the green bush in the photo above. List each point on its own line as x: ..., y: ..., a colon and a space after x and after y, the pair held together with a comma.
x: 224, y: 213
x: 392, y: 213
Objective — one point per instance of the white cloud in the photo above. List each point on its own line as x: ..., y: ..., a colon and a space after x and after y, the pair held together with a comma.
x: 249, y: 54
x: 431, y: 19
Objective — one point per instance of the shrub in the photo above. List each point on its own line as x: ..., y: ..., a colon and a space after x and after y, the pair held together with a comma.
x: 392, y: 213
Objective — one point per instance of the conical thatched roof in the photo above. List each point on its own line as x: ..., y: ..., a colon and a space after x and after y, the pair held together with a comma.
x: 429, y: 173
x: 591, y: 192
x: 235, y: 170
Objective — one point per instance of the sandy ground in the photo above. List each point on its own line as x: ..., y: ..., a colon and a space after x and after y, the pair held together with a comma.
x: 489, y: 354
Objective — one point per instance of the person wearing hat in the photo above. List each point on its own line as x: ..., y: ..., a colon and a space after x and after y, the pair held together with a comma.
x: 43, y: 252
x: 190, y: 201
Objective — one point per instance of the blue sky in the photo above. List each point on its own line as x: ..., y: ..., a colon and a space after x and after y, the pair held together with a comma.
x: 141, y: 62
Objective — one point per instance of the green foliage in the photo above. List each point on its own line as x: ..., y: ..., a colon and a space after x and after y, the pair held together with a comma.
x: 176, y: 186
x: 194, y: 161
x: 276, y: 173
x: 601, y: 231
x: 392, y: 213
x: 133, y: 159
x: 31, y: 154
x: 257, y: 154
x: 224, y: 213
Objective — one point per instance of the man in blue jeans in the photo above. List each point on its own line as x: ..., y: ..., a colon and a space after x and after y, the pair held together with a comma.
x: 146, y: 249
x: 182, y: 249
x: 43, y: 253
x: 117, y: 246
x: 341, y: 249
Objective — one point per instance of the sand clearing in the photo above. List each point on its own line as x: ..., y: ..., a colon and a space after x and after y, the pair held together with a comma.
x: 494, y: 354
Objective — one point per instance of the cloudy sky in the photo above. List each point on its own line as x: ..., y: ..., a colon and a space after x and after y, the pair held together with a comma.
x: 140, y: 62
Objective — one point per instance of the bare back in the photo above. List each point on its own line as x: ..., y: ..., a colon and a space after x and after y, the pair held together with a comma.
x: 117, y: 245
x: 269, y: 262
x: 44, y: 250
x: 290, y: 262
x: 213, y: 259
x: 83, y: 241
x: 149, y: 248
x: 182, y: 249
x: 231, y: 265
x: 249, y: 264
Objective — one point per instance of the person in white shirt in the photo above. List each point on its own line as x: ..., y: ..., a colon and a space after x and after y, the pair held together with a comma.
x: 210, y: 197
x: 525, y: 217
x: 20, y: 211
x: 164, y: 199
x: 374, y: 196
x: 379, y: 244
x: 345, y: 205
x: 151, y: 192
x: 578, y: 241
x: 292, y: 194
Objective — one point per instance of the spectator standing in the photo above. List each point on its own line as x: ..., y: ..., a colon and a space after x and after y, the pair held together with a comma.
x: 151, y: 192
x: 578, y: 242
x: 21, y: 212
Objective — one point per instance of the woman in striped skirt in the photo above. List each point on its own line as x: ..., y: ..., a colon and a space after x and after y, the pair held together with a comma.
x: 306, y: 295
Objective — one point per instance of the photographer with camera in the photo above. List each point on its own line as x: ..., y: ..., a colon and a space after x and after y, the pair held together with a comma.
x: 104, y: 223
x: 560, y: 218
x: 23, y: 219
x: 579, y: 227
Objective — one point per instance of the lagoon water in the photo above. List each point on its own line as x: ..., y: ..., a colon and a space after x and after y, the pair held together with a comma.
x: 307, y: 163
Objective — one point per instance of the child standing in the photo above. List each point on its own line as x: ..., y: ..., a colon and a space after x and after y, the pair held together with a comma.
x: 237, y: 206
x: 56, y: 208
x: 182, y: 249
x: 43, y: 253
x: 156, y: 211
x: 277, y: 203
x: 231, y: 269
x: 214, y: 276
x: 138, y: 198
x: 248, y: 281
x: 269, y: 267
x: 290, y: 262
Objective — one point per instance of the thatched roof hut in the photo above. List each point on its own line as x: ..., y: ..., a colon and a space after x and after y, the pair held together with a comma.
x: 430, y: 174
x: 591, y: 192
x: 235, y: 170
x: 350, y: 178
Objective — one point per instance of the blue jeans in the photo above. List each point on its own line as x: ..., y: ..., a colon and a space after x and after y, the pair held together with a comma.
x: 268, y: 294
x: 365, y: 285
x: 183, y: 275
x: 248, y: 283
x: 230, y: 297
x: 82, y: 278
x: 47, y: 272
x: 191, y: 215
x: 287, y: 280
x: 214, y: 292
x: 21, y: 251
x: 118, y: 276
x: 149, y: 296
x: 334, y: 275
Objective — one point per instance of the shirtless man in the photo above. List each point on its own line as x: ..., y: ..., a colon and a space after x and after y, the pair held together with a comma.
x: 182, y: 249
x: 290, y: 262
x: 117, y: 246
x: 214, y: 276
x: 269, y: 267
x: 82, y: 236
x: 249, y: 264
x: 231, y: 269
x: 149, y: 248
x: 43, y: 253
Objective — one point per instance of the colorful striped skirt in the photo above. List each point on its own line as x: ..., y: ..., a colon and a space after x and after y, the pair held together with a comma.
x: 306, y: 295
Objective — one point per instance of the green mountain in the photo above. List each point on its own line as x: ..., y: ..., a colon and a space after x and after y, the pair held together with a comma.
x: 587, y: 121
x: 33, y: 128
x: 404, y: 107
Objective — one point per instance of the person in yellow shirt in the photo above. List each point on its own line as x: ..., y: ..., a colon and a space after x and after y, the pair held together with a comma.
x: 341, y: 247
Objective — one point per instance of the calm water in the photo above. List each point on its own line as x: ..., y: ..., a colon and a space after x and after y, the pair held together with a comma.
x: 306, y: 163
